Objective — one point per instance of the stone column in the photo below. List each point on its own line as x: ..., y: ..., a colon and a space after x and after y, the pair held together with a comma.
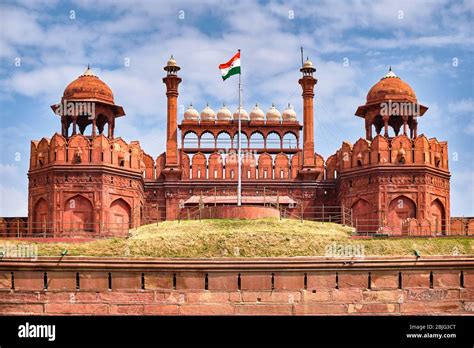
x: 63, y: 126
x: 74, y: 125
x: 111, y: 127
x: 405, y: 121
x: 368, y: 128
x: 385, y: 125
x: 93, y: 127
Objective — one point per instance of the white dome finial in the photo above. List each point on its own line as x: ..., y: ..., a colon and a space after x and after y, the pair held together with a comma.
x: 390, y: 73
x: 88, y: 71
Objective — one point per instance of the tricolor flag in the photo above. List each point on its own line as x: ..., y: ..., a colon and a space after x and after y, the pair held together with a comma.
x: 232, y: 67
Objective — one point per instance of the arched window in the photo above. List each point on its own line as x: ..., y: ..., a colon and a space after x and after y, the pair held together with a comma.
x: 102, y: 124
x: 244, y: 140
x: 400, y: 209
x: 378, y: 124
x: 223, y: 140
x: 362, y: 217
x: 199, y: 167
x: 119, y: 217
x: 190, y: 140
x: 78, y: 215
x: 256, y: 141
x: 438, y: 217
x: 290, y: 141
x: 273, y: 141
x: 40, y: 216
x: 207, y: 140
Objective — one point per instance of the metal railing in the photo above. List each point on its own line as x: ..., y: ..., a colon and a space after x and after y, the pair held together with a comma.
x: 253, y: 143
x: 294, y: 210
x: 409, y: 227
x: 153, y: 213
x: 334, y: 214
x: 157, y: 212
x: 57, y: 229
x: 195, y: 211
x: 322, y: 213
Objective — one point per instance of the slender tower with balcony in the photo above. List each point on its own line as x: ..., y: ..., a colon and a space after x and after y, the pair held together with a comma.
x: 172, y: 80
x: 308, y: 169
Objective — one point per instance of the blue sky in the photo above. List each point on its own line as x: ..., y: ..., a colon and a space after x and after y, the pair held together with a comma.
x: 429, y: 44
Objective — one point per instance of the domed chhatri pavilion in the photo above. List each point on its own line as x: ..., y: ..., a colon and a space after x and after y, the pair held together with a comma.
x: 86, y: 180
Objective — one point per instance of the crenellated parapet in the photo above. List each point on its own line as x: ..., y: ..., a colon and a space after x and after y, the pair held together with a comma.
x: 81, y: 150
x: 255, y: 166
x: 382, y: 151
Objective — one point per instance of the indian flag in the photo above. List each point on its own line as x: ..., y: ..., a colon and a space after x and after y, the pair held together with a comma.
x: 232, y: 67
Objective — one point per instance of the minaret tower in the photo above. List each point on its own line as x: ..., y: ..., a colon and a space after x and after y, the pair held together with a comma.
x: 172, y: 81
x: 307, y: 82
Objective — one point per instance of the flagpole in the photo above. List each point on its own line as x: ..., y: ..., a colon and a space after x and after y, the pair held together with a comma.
x: 239, y: 151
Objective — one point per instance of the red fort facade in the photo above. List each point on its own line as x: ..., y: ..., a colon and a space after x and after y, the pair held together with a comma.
x: 392, y: 181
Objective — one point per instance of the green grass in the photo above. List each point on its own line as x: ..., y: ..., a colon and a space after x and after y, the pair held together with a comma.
x: 249, y: 238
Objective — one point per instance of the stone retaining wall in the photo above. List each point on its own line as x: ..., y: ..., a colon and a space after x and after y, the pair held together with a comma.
x: 298, y: 286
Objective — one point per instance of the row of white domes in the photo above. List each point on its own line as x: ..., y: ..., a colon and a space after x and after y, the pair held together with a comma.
x: 256, y: 114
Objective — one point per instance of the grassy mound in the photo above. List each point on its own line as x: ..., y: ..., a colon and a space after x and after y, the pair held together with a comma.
x: 250, y: 238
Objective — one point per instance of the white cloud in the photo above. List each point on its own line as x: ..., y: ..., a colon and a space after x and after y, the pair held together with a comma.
x: 470, y: 128
x: 404, y: 42
x: 462, y: 192
x: 46, y: 82
x: 8, y: 172
x: 13, y: 202
x: 13, y: 199
x: 19, y: 27
x: 462, y: 106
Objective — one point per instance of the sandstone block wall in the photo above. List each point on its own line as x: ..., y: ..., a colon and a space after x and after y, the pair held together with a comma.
x: 253, y: 288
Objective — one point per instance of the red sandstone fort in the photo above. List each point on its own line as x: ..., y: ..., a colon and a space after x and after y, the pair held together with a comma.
x: 394, y: 180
